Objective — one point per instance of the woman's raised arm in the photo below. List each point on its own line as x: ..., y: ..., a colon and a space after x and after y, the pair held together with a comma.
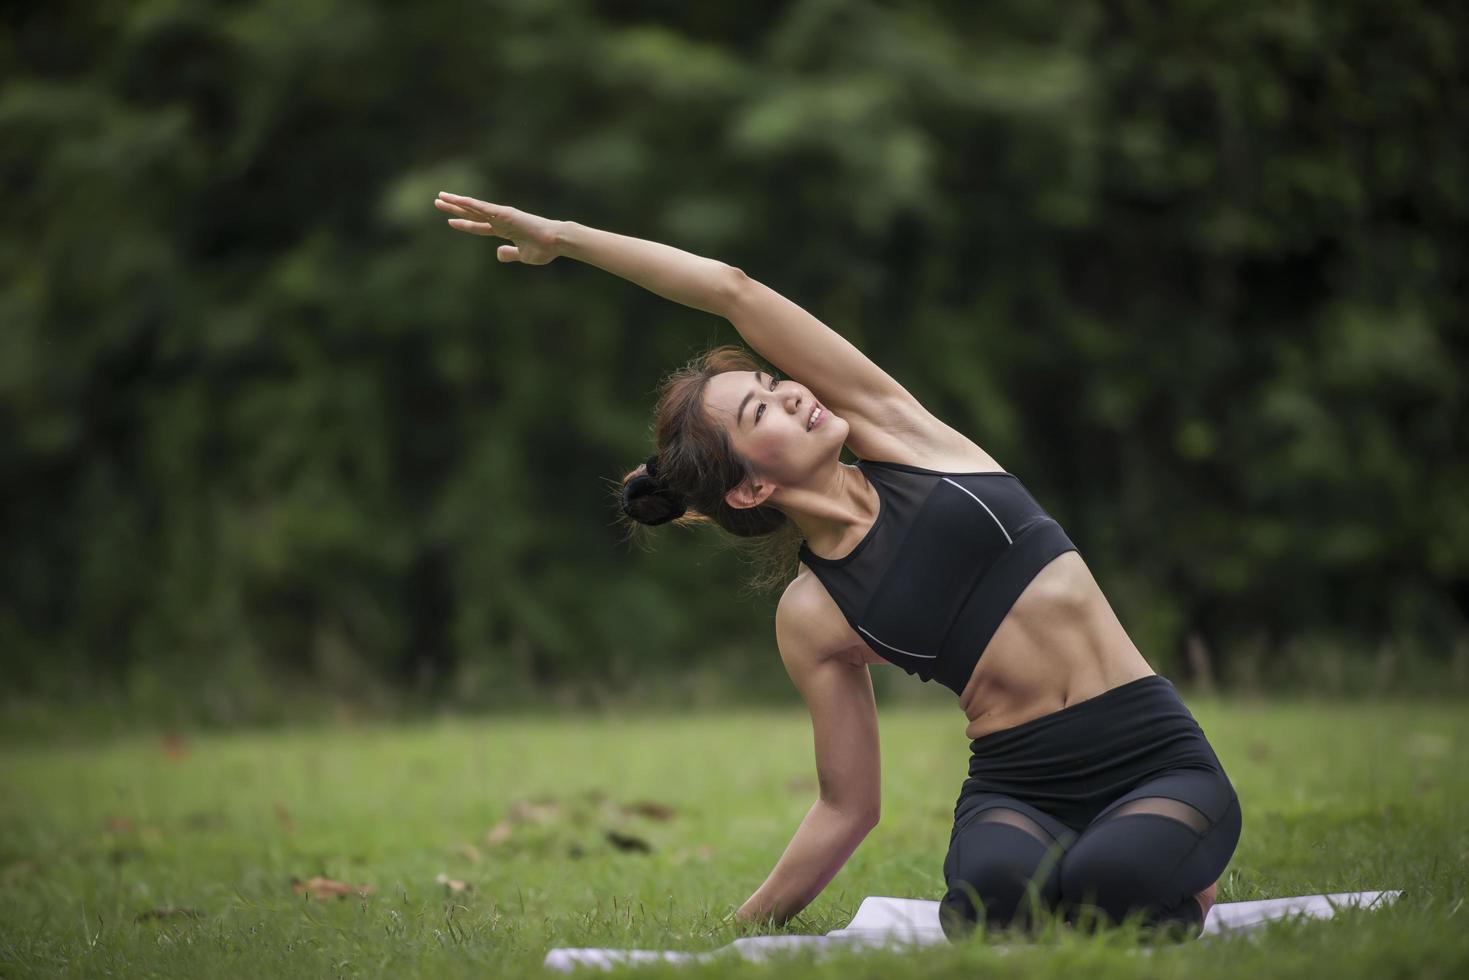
x: 841, y: 376
x: 704, y: 284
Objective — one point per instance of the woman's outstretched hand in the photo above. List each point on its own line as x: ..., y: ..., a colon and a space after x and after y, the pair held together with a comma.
x: 533, y: 238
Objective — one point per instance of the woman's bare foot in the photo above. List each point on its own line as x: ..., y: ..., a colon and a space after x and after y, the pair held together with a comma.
x: 1205, y: 899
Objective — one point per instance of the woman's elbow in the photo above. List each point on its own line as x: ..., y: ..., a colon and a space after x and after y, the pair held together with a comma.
x: 731, y: 289
x: 861, y: 816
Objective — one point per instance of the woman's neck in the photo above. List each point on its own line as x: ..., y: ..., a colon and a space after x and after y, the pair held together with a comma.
x: 828, y: 510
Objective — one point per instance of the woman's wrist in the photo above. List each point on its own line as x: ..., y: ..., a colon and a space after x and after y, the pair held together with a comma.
x: 567, y: 238
x: 754, y: 912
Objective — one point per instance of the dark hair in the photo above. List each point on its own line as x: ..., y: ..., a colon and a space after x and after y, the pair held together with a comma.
x: 695, y: 465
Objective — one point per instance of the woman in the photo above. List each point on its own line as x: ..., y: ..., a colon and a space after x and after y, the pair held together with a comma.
x: 1092, y: 792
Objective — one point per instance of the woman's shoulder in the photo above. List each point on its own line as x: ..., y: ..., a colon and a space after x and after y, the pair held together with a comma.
x: 804, y: 597
x: 813, y: 626
x: 809, y: 619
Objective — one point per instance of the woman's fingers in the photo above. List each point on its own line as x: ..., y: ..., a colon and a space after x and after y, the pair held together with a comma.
x: 473, y: 214
x: 500, y: 220
x: 453, y: 209
x: 465, y: 219
x: 472, y: 227
x: 476, y: 217
x: 488, y: 211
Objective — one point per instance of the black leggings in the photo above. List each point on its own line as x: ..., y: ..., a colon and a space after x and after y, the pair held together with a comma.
x: 1112, y: 807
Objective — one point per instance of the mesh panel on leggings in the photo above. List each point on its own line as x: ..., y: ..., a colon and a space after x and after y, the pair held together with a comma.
x: 1014, y: 818
x: 1162, y: 806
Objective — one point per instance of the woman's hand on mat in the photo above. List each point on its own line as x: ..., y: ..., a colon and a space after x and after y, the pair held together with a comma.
x: 533, y: 238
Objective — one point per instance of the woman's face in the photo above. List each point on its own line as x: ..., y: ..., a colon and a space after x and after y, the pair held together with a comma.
x: 770, y: 423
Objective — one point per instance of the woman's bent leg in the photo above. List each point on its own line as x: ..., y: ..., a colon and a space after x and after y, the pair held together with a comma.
x: 1003, y: 864
x: 1153, y: 849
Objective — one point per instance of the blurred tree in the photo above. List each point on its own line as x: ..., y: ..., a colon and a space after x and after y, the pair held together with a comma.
x: 1197, y: 274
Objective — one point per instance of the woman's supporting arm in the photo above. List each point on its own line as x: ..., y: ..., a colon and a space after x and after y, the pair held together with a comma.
x: 821, y: 845
x: 838, y: 694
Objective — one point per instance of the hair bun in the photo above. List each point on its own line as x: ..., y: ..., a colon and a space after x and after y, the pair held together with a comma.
x: 648, y: 501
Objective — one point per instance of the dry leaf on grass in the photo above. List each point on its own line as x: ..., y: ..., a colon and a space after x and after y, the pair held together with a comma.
x: 540, y: 812
x: 168, y: 912
x: 454, y: 885
x: 323, y: 889
x: 535, y: 811
x: 650, y: 809
x: 627, y: 842
x: 118, y: 825
x: 284, y: 818
x: 175, y: 746
x: 468, y: 852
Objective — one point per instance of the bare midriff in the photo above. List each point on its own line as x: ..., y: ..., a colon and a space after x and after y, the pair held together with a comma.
x: 1060, y: 643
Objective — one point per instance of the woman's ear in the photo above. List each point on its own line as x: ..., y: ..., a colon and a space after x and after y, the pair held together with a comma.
x: 748, y: 495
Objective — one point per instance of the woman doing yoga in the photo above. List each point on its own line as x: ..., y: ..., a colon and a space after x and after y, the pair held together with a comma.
x: 1092, y: 792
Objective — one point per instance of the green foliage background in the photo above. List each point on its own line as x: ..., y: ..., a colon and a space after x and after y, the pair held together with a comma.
x: 1197, y: 274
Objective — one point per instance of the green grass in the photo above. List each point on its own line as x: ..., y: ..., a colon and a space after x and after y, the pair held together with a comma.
x: 1336, y: 798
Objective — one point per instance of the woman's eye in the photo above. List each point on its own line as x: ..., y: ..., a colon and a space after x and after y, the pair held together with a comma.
x: 761, y: 410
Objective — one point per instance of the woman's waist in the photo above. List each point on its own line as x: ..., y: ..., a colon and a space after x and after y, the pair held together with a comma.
x: 1005, y: 702
x: 1143, y: 721
x: 1060, y: 644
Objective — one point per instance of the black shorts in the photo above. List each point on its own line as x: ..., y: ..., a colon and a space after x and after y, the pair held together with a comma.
x: 1116, y: 804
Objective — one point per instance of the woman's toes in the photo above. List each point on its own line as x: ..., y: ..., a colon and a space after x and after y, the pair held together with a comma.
x: 1205, y: 899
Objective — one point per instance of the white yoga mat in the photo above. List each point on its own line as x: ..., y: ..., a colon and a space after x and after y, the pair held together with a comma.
x: 906, y: 922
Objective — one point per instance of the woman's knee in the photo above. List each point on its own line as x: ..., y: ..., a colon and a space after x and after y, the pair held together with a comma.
x: 1145, y: 863
x: 999, y: 885
x: 1110, y: 883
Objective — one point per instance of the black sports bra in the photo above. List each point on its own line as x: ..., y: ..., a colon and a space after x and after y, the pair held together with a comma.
x: 946, y: 558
